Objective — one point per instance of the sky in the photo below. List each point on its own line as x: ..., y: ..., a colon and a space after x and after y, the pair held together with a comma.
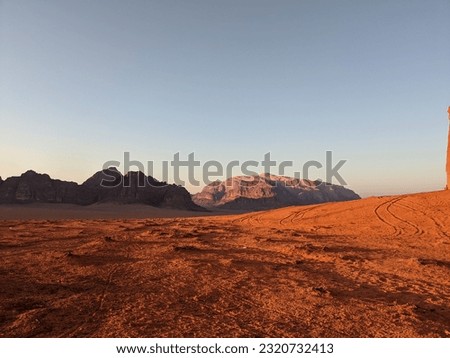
x: 82, y: 82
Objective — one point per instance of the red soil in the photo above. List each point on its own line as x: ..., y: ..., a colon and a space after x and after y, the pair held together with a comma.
x: 378, y: 267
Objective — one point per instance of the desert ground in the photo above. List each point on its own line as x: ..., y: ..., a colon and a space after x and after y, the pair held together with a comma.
x: 377, y: 267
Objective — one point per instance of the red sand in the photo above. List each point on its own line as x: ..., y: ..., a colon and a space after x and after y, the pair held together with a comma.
x: 378, y: 267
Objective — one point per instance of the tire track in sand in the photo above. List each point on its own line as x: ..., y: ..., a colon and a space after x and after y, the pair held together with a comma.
x: 417, y: 230
x: 439, y: 226
x: 295, y: 216
x: 384, y: 207
x: 249, y: 219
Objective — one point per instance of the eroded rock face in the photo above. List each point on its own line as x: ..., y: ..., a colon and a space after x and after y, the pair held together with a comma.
x: 267, y: 191
x: 448, y: 154
x: 108, y: 185
x: 135, y: 187
x: 34, y: 187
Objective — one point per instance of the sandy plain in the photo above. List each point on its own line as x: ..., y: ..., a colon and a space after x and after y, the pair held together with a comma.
x: 377, y: 267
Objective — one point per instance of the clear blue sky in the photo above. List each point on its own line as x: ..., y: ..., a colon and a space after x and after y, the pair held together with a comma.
x: 83, y: 81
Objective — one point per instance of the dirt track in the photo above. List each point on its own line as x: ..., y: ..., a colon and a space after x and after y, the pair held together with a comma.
x: 378, y: 267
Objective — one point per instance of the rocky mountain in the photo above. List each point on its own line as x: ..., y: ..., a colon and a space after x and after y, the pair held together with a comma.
x: 31, y: 187
x: 267, y: 191
x: 108, y: 185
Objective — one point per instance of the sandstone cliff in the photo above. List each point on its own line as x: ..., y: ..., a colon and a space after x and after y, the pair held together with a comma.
x: 269, y: 191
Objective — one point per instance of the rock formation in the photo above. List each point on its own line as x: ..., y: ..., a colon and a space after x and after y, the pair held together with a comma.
x: 34, y: 187
x: 108, y: 185
x: 266, y: 191
x: 448, y: 152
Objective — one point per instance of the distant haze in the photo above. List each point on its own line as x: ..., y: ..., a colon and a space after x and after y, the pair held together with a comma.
x: 83, y: 81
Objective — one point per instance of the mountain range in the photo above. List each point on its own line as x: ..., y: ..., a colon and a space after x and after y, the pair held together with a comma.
x: 242, y: 193
x: 132, y: 188
x: 266, y: 191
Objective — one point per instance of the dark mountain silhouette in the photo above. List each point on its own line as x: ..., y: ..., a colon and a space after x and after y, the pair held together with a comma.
x: 267, y: 191
x: 32, y: 187
x: 105, y: 186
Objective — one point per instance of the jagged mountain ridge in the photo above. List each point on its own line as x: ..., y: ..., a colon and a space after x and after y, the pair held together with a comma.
x: 266, y: 191
x: 132, y: 188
